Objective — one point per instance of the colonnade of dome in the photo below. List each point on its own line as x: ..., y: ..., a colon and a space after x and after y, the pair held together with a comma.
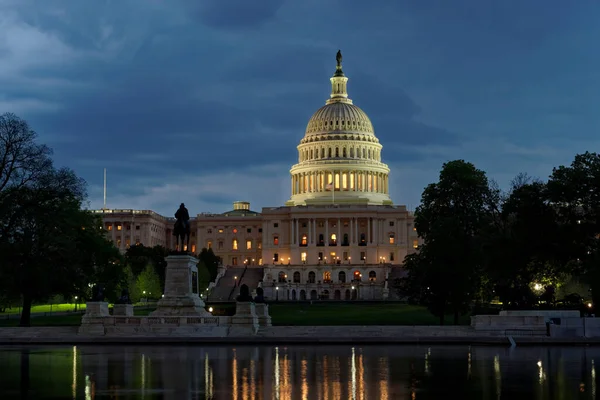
x: 339, y: 153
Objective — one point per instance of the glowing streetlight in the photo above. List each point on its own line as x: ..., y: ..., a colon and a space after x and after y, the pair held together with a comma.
x: 210, y: 309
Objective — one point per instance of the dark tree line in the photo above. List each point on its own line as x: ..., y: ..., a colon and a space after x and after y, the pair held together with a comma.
x: 481, y: 243
x: 49, y: 244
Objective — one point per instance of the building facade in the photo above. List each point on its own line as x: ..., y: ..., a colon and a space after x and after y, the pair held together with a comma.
x: 338, y: 237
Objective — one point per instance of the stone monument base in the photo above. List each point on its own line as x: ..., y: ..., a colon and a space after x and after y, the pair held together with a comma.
x: 181, y: 306
x: 181, y: 289
x: 245, y: 320
x: 123, y: 310
x: 92, y: 322
x: 262, y: 312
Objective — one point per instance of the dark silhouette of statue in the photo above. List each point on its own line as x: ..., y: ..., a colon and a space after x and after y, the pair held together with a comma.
x: 181, y: 230
x: 124, y: 299
x: 97, y: 293
x: 338, y: 58
x: 260, y: 295
x: 244, y: 294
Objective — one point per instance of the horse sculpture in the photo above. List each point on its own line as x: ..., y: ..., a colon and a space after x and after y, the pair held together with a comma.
x: 181, y: 230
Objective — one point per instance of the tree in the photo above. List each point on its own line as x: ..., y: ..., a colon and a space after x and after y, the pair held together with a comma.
x: 51, y: 245
x: 211, y: 261
x: 520, y: 243
x: 148, y: 284
x: 203, y: 277
x: 139, y: 256
x: 451, y: 219
x: 22, y: 160
x: 575, y: 192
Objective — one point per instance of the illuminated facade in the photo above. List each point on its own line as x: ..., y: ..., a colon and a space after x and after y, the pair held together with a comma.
x: 338, y: 237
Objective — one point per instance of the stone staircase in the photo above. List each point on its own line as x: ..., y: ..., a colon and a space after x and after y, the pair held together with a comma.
x: 228, y: 287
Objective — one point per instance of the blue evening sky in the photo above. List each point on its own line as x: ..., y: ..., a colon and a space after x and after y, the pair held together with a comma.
x: 205, y: 101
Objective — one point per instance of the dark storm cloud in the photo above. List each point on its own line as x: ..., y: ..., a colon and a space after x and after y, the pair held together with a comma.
x: 234, y: 14
x: 209, y: 99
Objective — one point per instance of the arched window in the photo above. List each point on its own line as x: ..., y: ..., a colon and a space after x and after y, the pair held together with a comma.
x: 391, y: 237
x: 329, y: 152
x: 311, y: 154
x: 333, y: 240
x: 311, y: 277
x: 322, y: 152
x: 344, y: 152
x: 326, y: 276
x: 296, y: 277
x: 337, y: 152
x: 282, y: 277
x: 372, y: 276
x: 364, y: 153
x: 342, y: 277
x: 351, y: 152
x: 234, y: 244
x: 304, y: 241
x: 357, y: 276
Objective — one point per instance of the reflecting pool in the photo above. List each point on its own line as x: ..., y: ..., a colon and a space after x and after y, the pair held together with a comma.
x: 297, y: 372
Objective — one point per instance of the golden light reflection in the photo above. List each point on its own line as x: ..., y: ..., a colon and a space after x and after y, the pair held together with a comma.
x: 89, y: 389
x: 234, y: 368
x: 384, y: 378
x: 361, y: 378
x: 286, y: 387
x: 252, y: 380
x: 497, y: 375
x: 74, y: 385
x: 208, y: 378
x: 276, y: 388
x: 593, y: 380
x: 469, y: 364
x: 353, y: 371
x: 143, y: 376
x: 336, y: 385
x: 303, y: 377
x: 245, y: 385
x: 541, y: 373
x: 325, y: 370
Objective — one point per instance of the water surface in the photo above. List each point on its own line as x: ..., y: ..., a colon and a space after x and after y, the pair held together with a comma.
x: 297, y: 372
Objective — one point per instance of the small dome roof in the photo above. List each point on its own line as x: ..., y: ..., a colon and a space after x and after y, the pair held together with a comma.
x: 339, y: 116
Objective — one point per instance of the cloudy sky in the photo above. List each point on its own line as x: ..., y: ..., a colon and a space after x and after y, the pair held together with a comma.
x: 205, y: 101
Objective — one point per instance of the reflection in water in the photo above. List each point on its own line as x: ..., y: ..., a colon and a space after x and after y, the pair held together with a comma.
x: 296, y: 372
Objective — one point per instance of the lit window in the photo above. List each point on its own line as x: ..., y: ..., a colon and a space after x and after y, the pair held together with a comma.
x: 391, y: 238
x: 326, y: 276
x: 220, y: 230
x: 119, y: 227
x: 415, y: 244
x: 209, y: 245
x: 333, y: 239
x: 234, y: 244
x: 109, y: 227
x: 248, y: 244
x: 234, y: 230
x: 276, y: 240
x: 118, y: 242
x: 193, y: 248
x: 304, y: 240
x: 259, y: 245
x: 303, y: 258
x: 415, y: 228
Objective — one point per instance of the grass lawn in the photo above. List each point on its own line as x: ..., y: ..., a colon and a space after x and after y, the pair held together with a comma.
x: 354, y: 314
x: 46, y: 308
x: 299, y: 314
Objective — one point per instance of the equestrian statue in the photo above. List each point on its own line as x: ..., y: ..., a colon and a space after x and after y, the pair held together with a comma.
x: 181, y: 230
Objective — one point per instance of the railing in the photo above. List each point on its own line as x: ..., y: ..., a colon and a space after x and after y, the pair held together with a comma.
x: 153, y: 321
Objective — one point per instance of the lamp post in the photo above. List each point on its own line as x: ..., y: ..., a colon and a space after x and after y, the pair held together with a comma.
x: 276, y: 293
x: 235, y: 281
x: 76, y: 302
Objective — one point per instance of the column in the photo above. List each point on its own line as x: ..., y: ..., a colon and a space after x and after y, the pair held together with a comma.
x: 339, y: 234
x: 356, y: 237
x: 368, y: 230
x: 326, y: 232
x: 297, y: 230
x: 351, y: 231
x: 309, y: 233
x: 314, y: 230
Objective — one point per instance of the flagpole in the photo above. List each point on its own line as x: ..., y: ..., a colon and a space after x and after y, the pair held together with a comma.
x: 104, y: 189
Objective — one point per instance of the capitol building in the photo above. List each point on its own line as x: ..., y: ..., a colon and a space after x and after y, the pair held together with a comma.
x: 338, y: 237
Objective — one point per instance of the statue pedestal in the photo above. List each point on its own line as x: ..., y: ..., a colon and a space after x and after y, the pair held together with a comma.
x: 245, y: 320
x: 92, y: 322
x: 262, y: 312
x: 123, y: 310
x: 181, y: 289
